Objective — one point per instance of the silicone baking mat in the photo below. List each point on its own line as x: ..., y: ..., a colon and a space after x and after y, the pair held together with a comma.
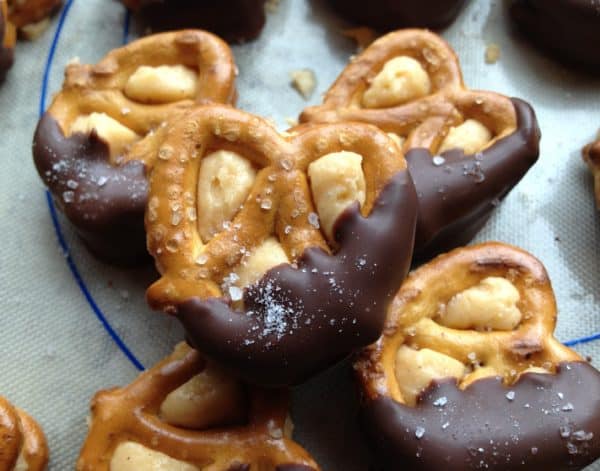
x: 71, y: 325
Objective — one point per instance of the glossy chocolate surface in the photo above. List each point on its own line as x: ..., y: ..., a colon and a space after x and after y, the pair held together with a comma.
x: 234, y: 20
x: 569, y: 29
x: 6, y: 53
x: 457, y: 196
x: 299, y: 321
x: 394, y: 14
x: 541, y: 422
x: 105, y: 203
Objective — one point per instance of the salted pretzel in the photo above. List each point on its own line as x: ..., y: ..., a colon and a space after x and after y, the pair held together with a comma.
x: 7, y: 41
x: 188, y: 414
x: 591, y: 156
x: 22, y: 442
x: 465, y: 149
x: 234, y: 20
x: 468, y: 374
x: 95, y: 144
x: 265, y: 256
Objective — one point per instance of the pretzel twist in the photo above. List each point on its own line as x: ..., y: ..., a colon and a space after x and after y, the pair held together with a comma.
x: 591, y: 156
x: 435, y: 115
x: 7, y: 41
x: 470, y: 365
x: 259, y: 336
x: 22, y: 441
x: 133, y: 414
x: 97, y: 140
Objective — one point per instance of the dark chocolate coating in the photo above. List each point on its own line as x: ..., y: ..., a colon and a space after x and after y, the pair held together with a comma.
x: 393, y: 14
x: 6, y: 54
x: 105, y: 203
x: 294, y: 467
x: 299, y: 321
x: 569, y: 29
x: 234, y: 20
x: 552, y: 422
x: 457, y: 197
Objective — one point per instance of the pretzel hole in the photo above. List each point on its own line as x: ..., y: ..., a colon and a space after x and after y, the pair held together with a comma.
x: 336, y: 180
x: 489, y: 305
x: 402, y: 79
x: 224, y: 182
x: 471, y: 136
x: 131, y: 456
x: 162, y: 84
x: 118, y: 137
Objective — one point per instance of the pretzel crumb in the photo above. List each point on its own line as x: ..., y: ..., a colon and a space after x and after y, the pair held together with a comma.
x: 492, y: 53
x: 304, y: 81
x: 34, y: 30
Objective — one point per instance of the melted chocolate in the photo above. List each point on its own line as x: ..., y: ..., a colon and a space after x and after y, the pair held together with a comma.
x: 569, y: 29
x: 457, y: 197
x: 235, y: 20
x: 6, y: 53
x: 541, y: 422
x: 105, y: 203
x: 299, y: 321
x: 394, y: 14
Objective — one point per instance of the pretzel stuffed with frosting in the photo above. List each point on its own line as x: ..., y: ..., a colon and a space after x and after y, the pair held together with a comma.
x: 465, y: 149
x: 468, y: 374
x: 188, y: 414
x: 95, y: 145
x: 7, y: 41
x: 278, y: 253
x: 591, y: 156
x: 22, y: 442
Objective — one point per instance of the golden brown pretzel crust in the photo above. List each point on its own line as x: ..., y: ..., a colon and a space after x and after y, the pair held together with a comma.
x: 282, y: 161
x: 591, y: 155
x: 130, y: 414
x: 99, y: 88
x: 20, y: 435
x: 22, y: 13
x: 509, y: 352
x: 425, y: 121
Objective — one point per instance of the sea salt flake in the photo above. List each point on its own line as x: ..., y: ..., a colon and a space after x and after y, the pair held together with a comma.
x: 438, y: 160
x: 313, y: 220
x: 419, y: 432
x: 510, y: 395
x: 440, y: 401
x: 235, y: 293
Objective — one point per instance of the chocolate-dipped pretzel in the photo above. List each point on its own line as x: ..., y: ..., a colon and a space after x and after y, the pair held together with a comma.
x: 465, y: 149
x: 266, y: 258
x: 23, y: 13
x: 235, y: 20
x: 591, y: 156
x: 188, y: 414
x: 392, y: 14
x: 7, y: 41
x: 22, y: 442
x: 468, y: 374
x: 96, y: 143
x: 568, y: 29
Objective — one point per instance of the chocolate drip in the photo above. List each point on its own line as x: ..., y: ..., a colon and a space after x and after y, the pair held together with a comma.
x: 6, y: 53
x: 569, y: 29
x: 457, y: 197
x: 235, y: 20
x: 104, y: 203
x: 393, y: 14
x: 299, y: 321
x: 541, y: 422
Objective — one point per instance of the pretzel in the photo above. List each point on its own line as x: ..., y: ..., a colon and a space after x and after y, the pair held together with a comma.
x: 22, y: 442
x: 234, y: 20
x: 23, y: 13
x: 265, y: 269
x: 95, y: 144
x: 187, y: 414
x: 468, y: 374
x: 569, y: 30
x: 392, y: 14
x: 591, y: 156
x: 7, y: 43
x: 465, y: 149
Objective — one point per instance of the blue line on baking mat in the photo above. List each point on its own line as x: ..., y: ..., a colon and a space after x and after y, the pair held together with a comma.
x: 61, y: 239
x: 59, y: 234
